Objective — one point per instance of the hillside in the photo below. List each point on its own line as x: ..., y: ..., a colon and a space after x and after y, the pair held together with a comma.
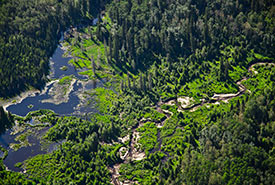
x: 188, y: 94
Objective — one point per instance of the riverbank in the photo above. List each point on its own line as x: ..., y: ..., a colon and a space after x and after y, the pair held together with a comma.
x: 18, y: 99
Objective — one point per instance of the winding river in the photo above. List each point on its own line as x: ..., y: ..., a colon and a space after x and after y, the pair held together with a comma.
x: 132, y: 142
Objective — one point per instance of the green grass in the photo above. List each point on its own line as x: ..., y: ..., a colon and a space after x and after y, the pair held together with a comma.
x: 148, y: 136
x: 5, y: 151
x: 237, y: 73
x: 22, y: 139
x: 154, y: 115
x: 141, y: 171
x: 261, y: 57
x: 104, y: 98
x: 263, y: 79
x: 66, y: 80
x: 85, y: 49
x: 64, y: 68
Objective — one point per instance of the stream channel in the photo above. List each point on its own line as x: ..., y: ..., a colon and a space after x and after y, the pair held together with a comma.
x: 74, y: 104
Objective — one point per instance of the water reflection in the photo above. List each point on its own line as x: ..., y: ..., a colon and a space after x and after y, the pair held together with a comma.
x: 71, y: 107
x: 37, y: 102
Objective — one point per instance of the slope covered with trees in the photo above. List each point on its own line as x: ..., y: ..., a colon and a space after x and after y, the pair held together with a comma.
x: 6, y: 120
x: 191, y: 98
x: 193, y: 30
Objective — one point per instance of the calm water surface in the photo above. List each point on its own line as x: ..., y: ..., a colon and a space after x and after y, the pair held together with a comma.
x: 68, y: 108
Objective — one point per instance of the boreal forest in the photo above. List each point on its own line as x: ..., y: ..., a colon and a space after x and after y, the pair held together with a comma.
x: 152, y: 92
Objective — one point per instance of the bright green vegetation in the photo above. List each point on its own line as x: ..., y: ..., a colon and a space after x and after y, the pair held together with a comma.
x: 65, y: 84
x: 5, y: 153
x: 262, y: 74
x: 154, y: 115
x: 104, y: 97
x: 150, y: 52
x: 30, y: 106
x: 148, y: 136
x: 141, y: 171
x: 82, y: 150
x: 208, y: 143
x: 64, y: 68
x: 65, y: 80
x: 40, y: 119
x: 90, y: 53
x: 22, y: 139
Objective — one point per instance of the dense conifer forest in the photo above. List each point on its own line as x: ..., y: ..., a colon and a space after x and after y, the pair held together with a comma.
x: 189, y: 96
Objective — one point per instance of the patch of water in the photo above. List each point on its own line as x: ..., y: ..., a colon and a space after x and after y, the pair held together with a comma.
x: 1, y: 153
x: 6, y: 138
x: 31, y: 122
x: 22, y: 153
x: 74, y: 106
x: 36, y: 101
x: 58, y: 61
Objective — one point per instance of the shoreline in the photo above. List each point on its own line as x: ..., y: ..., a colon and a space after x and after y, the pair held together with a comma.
x: 19, y: 98
x: 29, y: 93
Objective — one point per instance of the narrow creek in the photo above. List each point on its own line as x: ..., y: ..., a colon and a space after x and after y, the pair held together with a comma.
x: 216, y: 98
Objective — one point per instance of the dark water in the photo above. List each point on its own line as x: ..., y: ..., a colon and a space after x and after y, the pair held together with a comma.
x: 57, y: 61
x: 68, y: 108
x: 23, y: 153
x: 22, y: 109
x: 5, y: 139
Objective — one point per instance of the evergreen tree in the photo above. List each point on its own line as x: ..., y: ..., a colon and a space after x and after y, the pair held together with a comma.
x: 6, y: 120
x: 110, y: 49
x: 122, y: 85
x: 221, y: 70
x: 150, y: 81
x: 106, y: 50
x: 115, y: 48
